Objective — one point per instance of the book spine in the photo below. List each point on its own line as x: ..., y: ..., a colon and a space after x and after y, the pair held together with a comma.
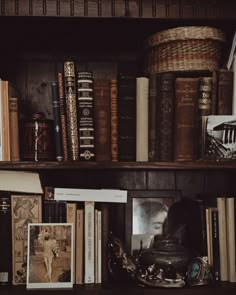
x: 85, y: 103
x: 221, y: 205
x: 186, y: 93
x: 230, y: 224
x: 152, y: 118
x: 14, y: 129
x: 89, y: 246
x: 215, y: 243
x: 57, y: 121
x: 24, y: 209
x: 79, y: 247
x: 214, y: 93
x: 1, y: 123
x: 99, y: 273
x: 225, y: 92
x: 165, y: 115
x: 71, y: 218
x: 234, y: 87
x: 102, y: 107
x: 5, y: 122
x: 142, y: 85
x: 71, y: 109
x: 63, y: 116
x: 114, y: 120
x: 6, y: 239
x: 126, y: 117
x: 105, y: 239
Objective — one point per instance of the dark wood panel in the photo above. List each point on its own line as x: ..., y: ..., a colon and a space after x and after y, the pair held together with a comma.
x: 220, y: 183
x: 161, y: 180
x: 190, y: 183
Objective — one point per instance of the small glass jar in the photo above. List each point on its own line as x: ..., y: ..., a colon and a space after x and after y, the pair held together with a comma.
x: 37, y: 138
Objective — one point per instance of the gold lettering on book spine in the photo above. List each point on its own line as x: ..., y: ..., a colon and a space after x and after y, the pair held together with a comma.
x: 70, y: 95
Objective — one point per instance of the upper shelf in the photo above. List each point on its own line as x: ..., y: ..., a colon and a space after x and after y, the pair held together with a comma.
x: 160, y: 9
x: 76, y: 165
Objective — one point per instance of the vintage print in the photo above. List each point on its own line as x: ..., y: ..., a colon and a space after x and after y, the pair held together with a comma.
x: 25, y: 209
x: 219, y: 137
x: 50, y: 255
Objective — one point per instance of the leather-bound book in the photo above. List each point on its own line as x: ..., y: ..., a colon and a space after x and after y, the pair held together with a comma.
x: 57, y: 121
x: 165, y: 116
x: 152, y: 120
x: 186, y: 92
x: 14, y: 129
x: 126, y: 116
x: 63, y: 116
x: 102, y: 107
x: 225, y: 92
x: 85, y: 103
x: 114, y: 120
x: 71, y: 109
x: 6, y: 239
x: 204, y: 108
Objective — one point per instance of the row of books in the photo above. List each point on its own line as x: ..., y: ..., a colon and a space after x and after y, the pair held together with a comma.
x: 9, y: 130
x: 24, y: 205
x: 219, y: 236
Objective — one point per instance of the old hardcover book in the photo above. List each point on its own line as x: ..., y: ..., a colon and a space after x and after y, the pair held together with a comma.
x: 89, y: 242
x: 86, y: 122
x: 71, y: 109
x: 127, y: 114
x: 25, y: 209
x: 6, y: 239
x: 165, y: 116
x: 221, y: 205
x: 114, y: 120
x: 152, y: 118
x: 225, y: 92
x: 142, y: 86
x: 14, y: 129
x: 6, y: 156
x: 102, y: 108
x: 230, y: 225
x: 79, y: 260
x: 57, y: 121
x: 64, y: 130
x: 186, y: 92
x: 105, y: 238
x: 215, y: 243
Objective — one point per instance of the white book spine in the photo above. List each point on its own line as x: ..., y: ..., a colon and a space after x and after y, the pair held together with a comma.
x: 99, y: 247
x: 142, y: 90
x: 230, y: 221
x: 222, y: 239
x: 89, y: 254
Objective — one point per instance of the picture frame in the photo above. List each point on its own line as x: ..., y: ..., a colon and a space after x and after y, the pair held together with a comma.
x: 139, y: 229
x: 50, y: 256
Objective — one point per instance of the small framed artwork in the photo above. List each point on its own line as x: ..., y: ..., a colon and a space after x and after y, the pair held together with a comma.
x: 50, y: 256
x: 146, y: 217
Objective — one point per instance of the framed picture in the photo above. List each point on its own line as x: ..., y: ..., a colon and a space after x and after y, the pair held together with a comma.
x: 146, y: 217
x: 50, y: 255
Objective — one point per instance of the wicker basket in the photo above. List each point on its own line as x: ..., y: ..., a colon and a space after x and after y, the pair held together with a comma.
x: 184, y: 49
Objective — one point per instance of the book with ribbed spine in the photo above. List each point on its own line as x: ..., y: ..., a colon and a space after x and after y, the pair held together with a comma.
x: 114, y: 120
x: 186, y: 95
x: 71, y: 109
x: 57, y: 121
x: 127, y: 113
x: 85, y: 115
x: 225, y: 92
x: 63, y: 116
x: 165, y: 116
x: 102, y: 108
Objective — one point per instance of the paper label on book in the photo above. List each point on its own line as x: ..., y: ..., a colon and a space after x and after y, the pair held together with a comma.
x: 3, y: 277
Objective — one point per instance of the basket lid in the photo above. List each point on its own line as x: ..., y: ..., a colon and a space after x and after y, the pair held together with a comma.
x: 185, y: 33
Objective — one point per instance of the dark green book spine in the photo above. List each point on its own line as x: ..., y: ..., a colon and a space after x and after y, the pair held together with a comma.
x: 57, y: 121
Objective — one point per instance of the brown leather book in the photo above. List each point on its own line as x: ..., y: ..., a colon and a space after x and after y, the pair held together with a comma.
x: 63, y: 116
x: 186, y: 95
x: 102, y: 107
x: 225, y: 92
x: 71, y: 109
x: 114, y: 120
x: 14, y: 129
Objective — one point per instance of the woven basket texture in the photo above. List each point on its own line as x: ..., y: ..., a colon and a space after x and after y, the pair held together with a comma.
x: 184, y: 49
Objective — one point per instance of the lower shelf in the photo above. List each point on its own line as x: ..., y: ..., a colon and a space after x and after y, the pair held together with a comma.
x: 219, y: 288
